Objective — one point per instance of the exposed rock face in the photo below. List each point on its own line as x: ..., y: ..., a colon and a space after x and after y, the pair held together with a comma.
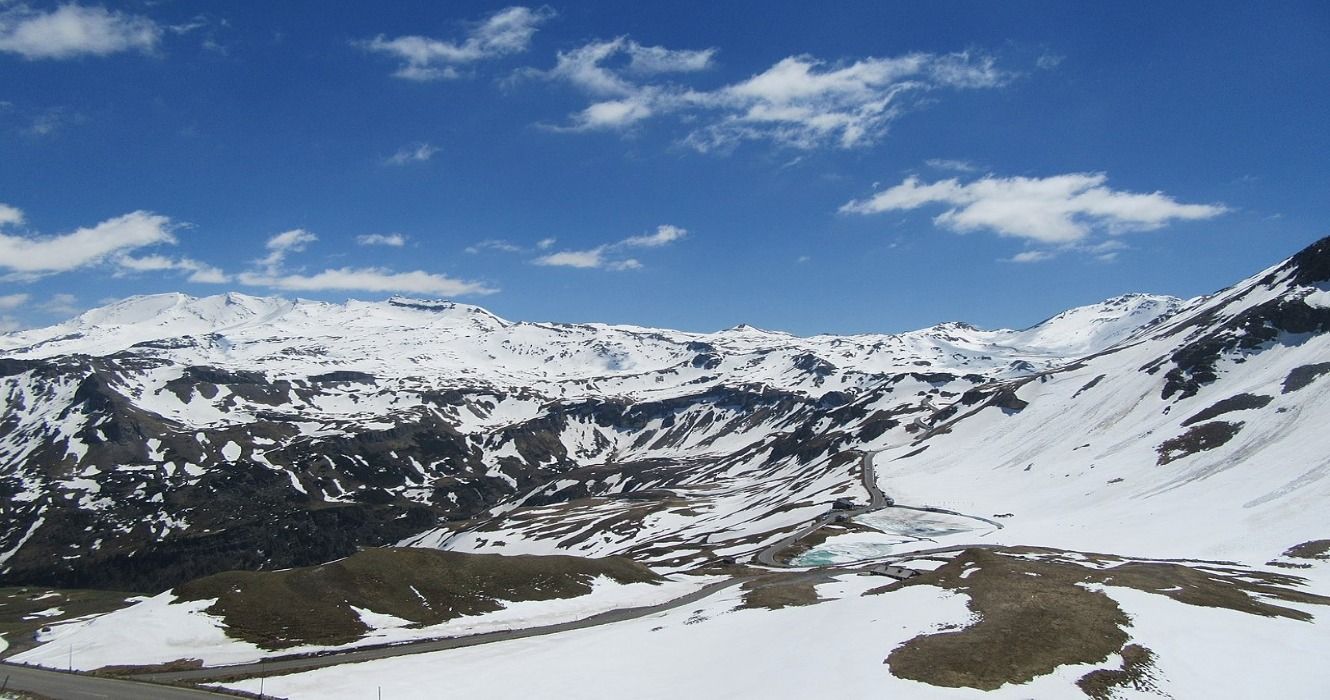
x: 238, y: 432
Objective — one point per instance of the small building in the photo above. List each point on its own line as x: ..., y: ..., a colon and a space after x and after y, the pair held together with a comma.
x: 843, y: 503
x: 899, y: 573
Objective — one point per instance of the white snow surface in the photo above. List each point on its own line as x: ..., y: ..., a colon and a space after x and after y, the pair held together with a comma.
x: 161, y: 629
x: 405, y: 337
x: 832, y: 649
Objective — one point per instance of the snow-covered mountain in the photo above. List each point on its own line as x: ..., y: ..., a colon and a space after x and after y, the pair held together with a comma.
x: 160, y: 438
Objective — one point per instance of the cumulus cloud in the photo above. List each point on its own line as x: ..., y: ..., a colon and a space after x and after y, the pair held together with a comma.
x: 32, y: 256
x: 506, y: 32
x: 73, y: 30
x: 801, y: 101
x: 609, y: 256
x: 392, y: 240
x: 417, y: 153
x: 372, y: 279
x: 1058, y: 210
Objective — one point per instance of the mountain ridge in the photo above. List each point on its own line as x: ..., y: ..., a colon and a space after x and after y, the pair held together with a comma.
x: 171, y: 437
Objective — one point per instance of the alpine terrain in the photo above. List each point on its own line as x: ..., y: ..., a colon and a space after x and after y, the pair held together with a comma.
x: 1121, y: 501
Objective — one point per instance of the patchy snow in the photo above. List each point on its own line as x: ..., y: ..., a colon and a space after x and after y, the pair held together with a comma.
x: 153, y: 631
x: 173, y: 630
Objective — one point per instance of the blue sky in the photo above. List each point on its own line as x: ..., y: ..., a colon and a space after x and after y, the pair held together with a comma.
x: 856, y: 168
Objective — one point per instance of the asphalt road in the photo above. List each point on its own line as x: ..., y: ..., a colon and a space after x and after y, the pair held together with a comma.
x: 60, y: 685
x: 876, y: 501
x: 304, y: 663
x: 75, y: 686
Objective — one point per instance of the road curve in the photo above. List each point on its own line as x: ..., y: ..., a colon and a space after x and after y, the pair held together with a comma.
x: 149, y: 686
x: 876, y: 501
x: 59, y: 684
x: 304, y: 663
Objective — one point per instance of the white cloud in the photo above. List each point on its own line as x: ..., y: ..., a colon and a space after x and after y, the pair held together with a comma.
x: 585, y: 259
x: 1060, y: 209
x: 960, y: 166
x: 368, y: 280
x: 608, y: 256
x: 664, y: 235
x: 8, y: 324
x: 270, y: 273
x: 546, y: 243
x: 1030, y: 256
x: 501, y: 246
x: 280, y: 245
x: 506, y: 32
x: 60, y: 305
x: 10, y: 216
x: 1049, y: 61
x: 586, y: 66
x: 9, y: 302
x: 393, y: 240
x: 801, y: 101
x: 417, y: 153
x: 73, y: 30
x: 29, y: 256
x: 199, y: 272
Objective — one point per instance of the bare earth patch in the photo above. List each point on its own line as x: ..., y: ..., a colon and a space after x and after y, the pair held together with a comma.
x: 313, y: 605
x: 1137, y: 665
x: 1037, y: 610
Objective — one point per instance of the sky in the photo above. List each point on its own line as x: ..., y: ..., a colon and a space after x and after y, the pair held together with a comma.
x: 842, y: 167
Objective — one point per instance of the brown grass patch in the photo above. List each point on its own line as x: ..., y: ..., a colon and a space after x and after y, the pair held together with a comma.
x: 1137, y: 665
x: 1035, y: 616
x: 312, y: 605
x: 774, y: 594
x: 23, y: 602
x: 1028, y: 625
x: 1315, y: 549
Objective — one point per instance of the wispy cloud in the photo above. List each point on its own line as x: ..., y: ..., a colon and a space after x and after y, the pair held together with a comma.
x: 495, y: 244
x: 72, y: 30
x: 283, y: 244
x: 371, y: 279
x: 610, y: 256
x: 506, y: 32
x: 271, y: 272
x: 9, y: 302
x: 415, y: 153
x: 801, y: 101
x: 664, y: 235
x: 1057, y: 210
x: 1030, y: 256
x: 201, y: 273
x: 1049, y: 61
x: 60, y: 305
x: 959, y: 166
x: 392, y: 240
x: 29, y: 256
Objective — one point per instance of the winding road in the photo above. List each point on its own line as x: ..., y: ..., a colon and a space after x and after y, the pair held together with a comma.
x: 151, y: 686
